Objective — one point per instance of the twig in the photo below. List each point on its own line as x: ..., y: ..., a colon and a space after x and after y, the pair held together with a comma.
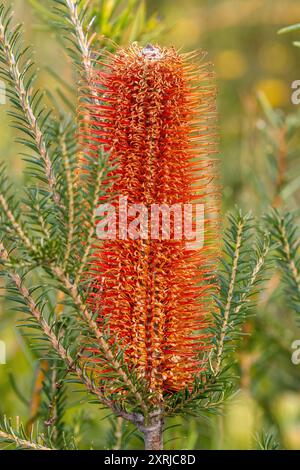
x: 15, y: 224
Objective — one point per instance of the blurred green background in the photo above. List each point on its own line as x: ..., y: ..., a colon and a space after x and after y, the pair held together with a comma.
x: 259, y: 153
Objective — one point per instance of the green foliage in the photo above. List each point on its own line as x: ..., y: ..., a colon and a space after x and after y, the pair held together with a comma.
x: 116, y: 22
x: 278, y: 133
x: 290, y: 29
x: 29, y: 115
x: 285, y: 232
x: 118, y: 434
x: 19, y: 438
x: 242, y: 276
x: 47, y: 239
x: 266, y: 441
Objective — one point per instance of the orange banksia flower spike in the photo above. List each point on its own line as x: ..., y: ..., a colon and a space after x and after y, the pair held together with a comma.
x: 154, y: 110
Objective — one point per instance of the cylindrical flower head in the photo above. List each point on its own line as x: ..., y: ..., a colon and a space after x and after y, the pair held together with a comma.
x: 154, y: 110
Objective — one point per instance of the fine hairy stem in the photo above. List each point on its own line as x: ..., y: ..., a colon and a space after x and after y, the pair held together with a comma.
x: 291, y: 263
x: 71, y: 199
x: 220, y: 346
x: 88, y: 317
x: 55, y: 341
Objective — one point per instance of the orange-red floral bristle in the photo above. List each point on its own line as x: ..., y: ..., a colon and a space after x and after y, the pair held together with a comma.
x: 154, y: 110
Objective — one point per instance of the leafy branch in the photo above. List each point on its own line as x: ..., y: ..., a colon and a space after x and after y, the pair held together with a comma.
x: 8, y: 207
x: 285, y: 233
x: 48, y: 245
x: 244, y: 264
x: 19, y: 438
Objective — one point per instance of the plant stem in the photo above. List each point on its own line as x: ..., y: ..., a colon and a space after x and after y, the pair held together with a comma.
x: 88, y: 317
x: 220, y: 347
x: 22, y: 443
x: 153, y: 432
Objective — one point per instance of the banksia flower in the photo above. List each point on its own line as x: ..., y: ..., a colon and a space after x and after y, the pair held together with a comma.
x: 153, y: 109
